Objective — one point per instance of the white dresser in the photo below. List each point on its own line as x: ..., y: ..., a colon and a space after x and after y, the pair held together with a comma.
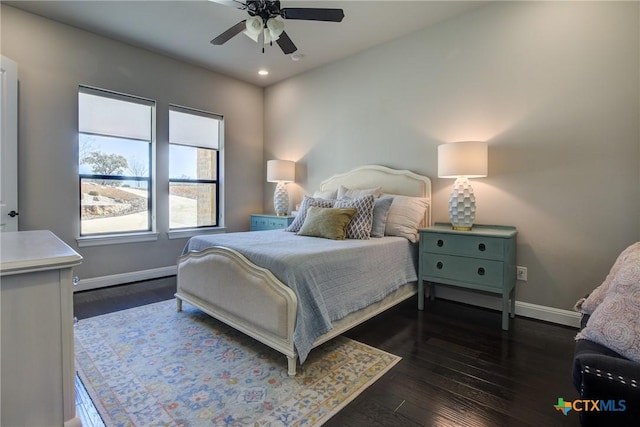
x: 36, y: 358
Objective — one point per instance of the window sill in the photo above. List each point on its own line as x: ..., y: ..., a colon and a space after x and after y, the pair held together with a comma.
x: 190, y: 232
x: 115, y: 239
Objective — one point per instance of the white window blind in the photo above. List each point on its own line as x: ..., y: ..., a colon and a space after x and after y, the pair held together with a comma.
x: 112, y: 116
x: 194, y: 130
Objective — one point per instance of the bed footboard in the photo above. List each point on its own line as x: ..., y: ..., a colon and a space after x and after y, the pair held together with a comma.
x: 226, y: 285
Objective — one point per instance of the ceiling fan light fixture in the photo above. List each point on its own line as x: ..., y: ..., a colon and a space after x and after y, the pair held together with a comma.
x: 275, y: 28
x: 262, y: 21
x: 254, y: 27
x: 268, y: 36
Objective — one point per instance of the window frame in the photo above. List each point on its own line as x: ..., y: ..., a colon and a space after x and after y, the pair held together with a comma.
x: 179, y: 232
x: 150, y: 234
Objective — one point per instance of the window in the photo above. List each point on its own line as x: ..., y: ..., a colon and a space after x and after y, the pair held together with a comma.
x: 115, y: 155
x: 194, y: 155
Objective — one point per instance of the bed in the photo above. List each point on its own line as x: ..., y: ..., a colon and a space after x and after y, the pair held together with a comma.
x: 239, y: 278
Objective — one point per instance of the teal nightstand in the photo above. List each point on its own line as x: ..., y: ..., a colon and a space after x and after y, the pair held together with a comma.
x: 482, y: 259
x: 269, y: 222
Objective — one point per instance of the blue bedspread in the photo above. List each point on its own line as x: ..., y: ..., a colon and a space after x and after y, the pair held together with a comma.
x: 331, y: 278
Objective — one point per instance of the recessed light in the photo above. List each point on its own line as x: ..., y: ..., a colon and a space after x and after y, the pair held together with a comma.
x: 263, y: 72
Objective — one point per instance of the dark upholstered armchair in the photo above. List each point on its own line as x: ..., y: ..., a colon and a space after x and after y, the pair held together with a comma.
x: 600, y: 373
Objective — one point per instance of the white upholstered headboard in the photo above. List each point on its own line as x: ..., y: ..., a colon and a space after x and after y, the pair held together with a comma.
x: 391, y: 181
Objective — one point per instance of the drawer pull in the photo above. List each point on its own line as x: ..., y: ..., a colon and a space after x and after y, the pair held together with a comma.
x: 482, y: 247
x: 439, y: 265
x: 481, y: 271
x: 440, y: 243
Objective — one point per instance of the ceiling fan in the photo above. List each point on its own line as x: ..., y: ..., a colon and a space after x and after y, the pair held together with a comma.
x: 263, y: 22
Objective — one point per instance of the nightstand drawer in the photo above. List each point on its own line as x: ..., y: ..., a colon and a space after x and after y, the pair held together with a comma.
x: 464, y: 245
x: 275, y: 223
x: 482, y: 272
x: 260, y: 222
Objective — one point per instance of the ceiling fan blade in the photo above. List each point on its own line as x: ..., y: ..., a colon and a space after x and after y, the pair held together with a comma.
x: 286, y: 44
x: 231, y: 3
x: 312, y: 14
x: 227, y: 35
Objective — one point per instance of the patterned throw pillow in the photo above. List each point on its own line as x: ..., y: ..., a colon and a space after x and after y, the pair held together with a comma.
x: 360, y: 226
x: 302, y: 212
x: 596, y: 296
x: 614, y: 322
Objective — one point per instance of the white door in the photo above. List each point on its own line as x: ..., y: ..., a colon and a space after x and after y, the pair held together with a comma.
x: 8, y: 145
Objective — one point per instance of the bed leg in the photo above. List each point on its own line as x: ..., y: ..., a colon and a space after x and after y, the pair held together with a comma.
x: 291, y: 364
x: 178, y: 304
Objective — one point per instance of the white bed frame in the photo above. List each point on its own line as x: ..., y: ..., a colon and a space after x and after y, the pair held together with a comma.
x: 226, y: 285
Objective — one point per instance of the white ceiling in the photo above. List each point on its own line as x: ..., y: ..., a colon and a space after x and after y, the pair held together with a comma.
x: 183, y: 29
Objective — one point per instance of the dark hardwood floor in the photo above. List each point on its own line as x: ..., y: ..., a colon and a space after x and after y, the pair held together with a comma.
x: 116, y: 298
x: 458, y: 368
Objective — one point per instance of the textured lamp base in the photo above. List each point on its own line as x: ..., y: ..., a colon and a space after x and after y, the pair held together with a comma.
x: 462, y: 205
x: 281, y: 199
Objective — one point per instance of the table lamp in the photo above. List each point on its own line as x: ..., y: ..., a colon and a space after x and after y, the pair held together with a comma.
x: 462, y: 160
x: 281, y: 172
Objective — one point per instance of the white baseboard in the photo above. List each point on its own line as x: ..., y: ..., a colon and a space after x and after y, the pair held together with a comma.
x: 534, y: 311
x: 119, y: 279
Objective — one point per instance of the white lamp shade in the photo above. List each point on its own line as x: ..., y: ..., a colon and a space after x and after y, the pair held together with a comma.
x: 468, y: 158
x: 281, y: 171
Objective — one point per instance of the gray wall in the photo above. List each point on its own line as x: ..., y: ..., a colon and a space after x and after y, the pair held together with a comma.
x: 553, y: 87
x: 53, y: 59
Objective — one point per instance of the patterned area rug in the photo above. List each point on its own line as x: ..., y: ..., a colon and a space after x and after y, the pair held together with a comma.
x: 152, y: 365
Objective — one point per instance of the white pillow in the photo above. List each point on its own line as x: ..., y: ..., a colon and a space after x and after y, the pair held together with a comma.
x: 331, y: 194
x: 344, y: 192
x: 405, y: 216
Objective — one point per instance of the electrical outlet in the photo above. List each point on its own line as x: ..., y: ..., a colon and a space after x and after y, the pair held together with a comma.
x: 521, y: 273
